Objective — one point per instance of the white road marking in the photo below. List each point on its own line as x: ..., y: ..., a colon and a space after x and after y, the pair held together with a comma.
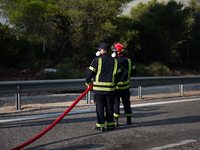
x: 93, y: 110
x: 173, y: 145
x: 46, y: 115
x: 166, y: 102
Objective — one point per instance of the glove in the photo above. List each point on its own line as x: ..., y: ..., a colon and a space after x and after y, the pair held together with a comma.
x: 88, y: 84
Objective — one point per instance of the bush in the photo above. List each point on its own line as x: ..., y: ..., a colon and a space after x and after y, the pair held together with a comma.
x: 154, y: 69
x: 158, y: 69
x: 142, y: 71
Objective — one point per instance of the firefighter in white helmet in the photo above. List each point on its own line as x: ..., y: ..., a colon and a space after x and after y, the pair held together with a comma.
x: 122, y: 88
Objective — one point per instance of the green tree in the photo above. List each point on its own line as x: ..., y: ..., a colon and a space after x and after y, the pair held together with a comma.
x: 193, y: 53
x: 72, y: 25
x: 17, y: 52
x: 163, y: 27
x: 193, y: 50
x: 125, y: 32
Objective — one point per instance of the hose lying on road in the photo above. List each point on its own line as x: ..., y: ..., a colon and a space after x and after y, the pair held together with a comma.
x: 55, y: 122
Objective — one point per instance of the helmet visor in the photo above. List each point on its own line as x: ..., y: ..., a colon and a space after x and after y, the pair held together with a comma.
x: 113, y: 48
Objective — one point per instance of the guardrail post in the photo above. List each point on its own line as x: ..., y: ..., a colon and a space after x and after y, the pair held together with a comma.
x: 181, y: 89
x: 140, y: 92
x: 18, y: 101
x: 88, y: 97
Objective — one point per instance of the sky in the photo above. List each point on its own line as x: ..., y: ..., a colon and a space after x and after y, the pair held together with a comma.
x: 126, y: 11
x: 2, y: 20
x: 135, y: 2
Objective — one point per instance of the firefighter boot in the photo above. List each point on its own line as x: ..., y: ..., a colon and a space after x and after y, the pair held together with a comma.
x: 116, y: 121
x: 129, y: 120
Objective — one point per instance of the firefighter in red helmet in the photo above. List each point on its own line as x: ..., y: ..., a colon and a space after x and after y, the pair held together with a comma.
x: 122, y: 88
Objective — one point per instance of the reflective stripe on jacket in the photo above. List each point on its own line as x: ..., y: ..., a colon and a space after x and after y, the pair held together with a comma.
x: 127, y: 68
x: 104, y: 69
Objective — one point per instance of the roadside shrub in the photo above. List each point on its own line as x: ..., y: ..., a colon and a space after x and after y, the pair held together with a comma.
x: 154, y: 69
x: 158, y: 69
x: 142, y: 71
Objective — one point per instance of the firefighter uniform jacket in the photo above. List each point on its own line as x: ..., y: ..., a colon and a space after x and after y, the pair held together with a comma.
x: 104, y: 69
x: 127, y: 68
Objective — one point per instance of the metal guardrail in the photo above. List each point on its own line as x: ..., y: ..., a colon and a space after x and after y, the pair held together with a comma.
x: 79, y: 84
x: 42, y: 85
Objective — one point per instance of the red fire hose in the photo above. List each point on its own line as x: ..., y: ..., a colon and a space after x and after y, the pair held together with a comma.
x: 55, y: 122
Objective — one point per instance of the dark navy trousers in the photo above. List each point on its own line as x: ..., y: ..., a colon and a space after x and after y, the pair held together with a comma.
x: 125, y: 96
x: 107, y: 102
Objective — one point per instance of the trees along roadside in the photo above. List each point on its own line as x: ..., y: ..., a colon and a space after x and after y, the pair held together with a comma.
x: 163, y: 29
x: 69, y: 27
x: 156, y: 31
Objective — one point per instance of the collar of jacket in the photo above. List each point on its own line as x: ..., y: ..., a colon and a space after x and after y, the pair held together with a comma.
x: 105, y: 53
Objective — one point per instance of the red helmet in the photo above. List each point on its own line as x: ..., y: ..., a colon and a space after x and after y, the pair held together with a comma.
x: 118, y: 47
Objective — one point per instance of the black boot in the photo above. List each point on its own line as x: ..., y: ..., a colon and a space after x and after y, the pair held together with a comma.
x: 129, y: 120
x: 116, y: 121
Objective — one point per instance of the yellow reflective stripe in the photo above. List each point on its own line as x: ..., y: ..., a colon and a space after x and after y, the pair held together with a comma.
x: 115, y: 67
x: 103, y: 89
x: 119, y: 70
x: 104, y: 83
x: 133, y: 67
x: 92, y: 68
x: 111, y: 127
x: 127, y: 115
x: 116, y: 115
x: 88, y: 84
x: 100, y: 125
x: 122, y: 87
x: 110, y: 123
x: 99, y: 69
x: 129, y: 68
x: 96, y: 82
x: 114, y: 71
x: 123, y: 83
x: 129, y: 72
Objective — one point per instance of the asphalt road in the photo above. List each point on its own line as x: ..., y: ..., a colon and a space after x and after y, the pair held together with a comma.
x: 154, y: 127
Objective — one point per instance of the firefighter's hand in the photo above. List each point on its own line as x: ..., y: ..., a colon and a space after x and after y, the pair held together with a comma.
x: 88, y: 84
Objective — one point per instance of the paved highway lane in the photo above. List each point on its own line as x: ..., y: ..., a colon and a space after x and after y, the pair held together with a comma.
x: 154, y: 127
